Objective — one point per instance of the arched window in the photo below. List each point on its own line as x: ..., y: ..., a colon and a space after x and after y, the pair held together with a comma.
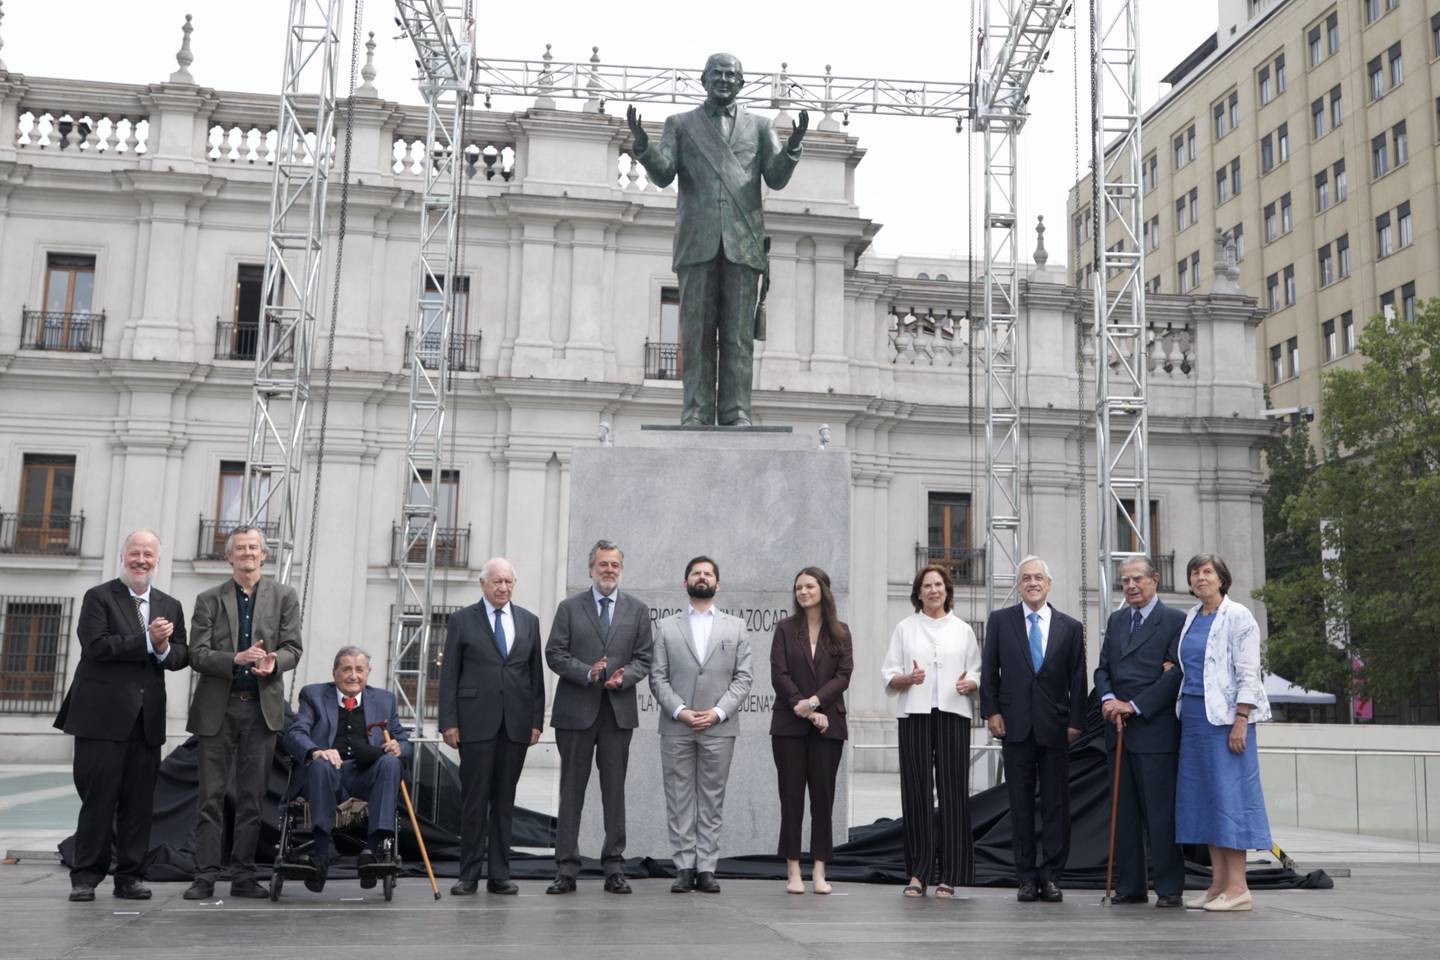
x: 922, y: 275
x: 941, y: 276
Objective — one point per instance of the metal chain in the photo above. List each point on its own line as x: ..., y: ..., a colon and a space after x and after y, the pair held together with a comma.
x: 1080, y: 331
x: 334, y: 317
x: 970, y: 294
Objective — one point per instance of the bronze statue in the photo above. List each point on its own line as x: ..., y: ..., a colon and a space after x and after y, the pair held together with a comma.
x: 720, y: 151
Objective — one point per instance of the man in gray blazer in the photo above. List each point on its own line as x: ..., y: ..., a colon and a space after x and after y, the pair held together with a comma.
x: 244, y: 635
x: 600, y: 646
x: 701, y: 676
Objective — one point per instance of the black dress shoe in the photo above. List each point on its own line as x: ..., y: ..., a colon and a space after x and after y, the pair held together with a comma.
x: 1050, y: 893
x: 616, y: 883
x: 506, y: 888
x: 463, y: 888
x: 81, y: 893
x: 200, y: 890
x: 316, y: 882
x: 684, y: 881
x: 1026, y: 893
x: 562, y: 884
x: 1130, y: 898
x: 705, y: 882
x: 132, y: 890
x: 1172, y: 900
x: 250, y: 890
x: 366, y: 859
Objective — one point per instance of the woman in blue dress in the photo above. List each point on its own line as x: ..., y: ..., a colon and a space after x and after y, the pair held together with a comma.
x: 1217, y: 798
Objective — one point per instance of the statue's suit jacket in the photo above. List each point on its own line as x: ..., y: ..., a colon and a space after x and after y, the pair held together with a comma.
x: 274, y: 622
x: 720, y: 199
x: 679, y: 677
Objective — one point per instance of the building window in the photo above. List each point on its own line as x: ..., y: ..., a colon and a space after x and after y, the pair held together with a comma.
x: 1322, y: 191
x: 1347, y: 332
x: 1181, y: 216
x: 1155, y: 232
x: 1372, y: 10
x: 229, y: 511
x: 1279, y: 74
x: 1270, y: 223
x: 1195, y: 269
x: 1152, y: 172
x: 1340, y: 190
x: 662, y: 357
x: 1289, y: 277
x: 1190, y: 143
x: 452, y: 542
x: 1403, y: 226
x: 1125, y: 539
x: 1179, y: 146
x: 1078, y: 239
x: 34, y: 637
x: 1384, y: 242
x: 1272, y: 292
x: 1407, y: 301
x: 1277, y: 363
x: 1222, y: 186
x: 1194, y: 204
x: 65, y: 321
x: 1182, y: 275
x: 1397, y: 66
x: 1262, y: 81
x: 1238, y: 233
x: 1317, y: 119
x: 1287, y: 221
x: 1292, y: 354
x: 1379, y: 157
x: 1401, y: 142
x: 1219, y: 113
x: 948, y: 537
x: 1267, y: 154
x: 69, y: 283
x: 1337, y: 107
x: 1373, y: 74
x: 1342, y: 254
x: 1155, y: 284
x: 1325, y: 266
x: 1435, y: 35
x: 1312, y: 42
x: 434, y: 293
x: 1387, y: 305
x: 1235, y: 177
x: 1330, y: 340
x: 44, y: 524
x: 1332, y: 34
x: 1234, y: 102
x: 1282, y: 142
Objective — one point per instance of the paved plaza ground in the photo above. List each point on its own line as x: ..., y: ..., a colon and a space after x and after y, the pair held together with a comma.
x: 1386, y: 904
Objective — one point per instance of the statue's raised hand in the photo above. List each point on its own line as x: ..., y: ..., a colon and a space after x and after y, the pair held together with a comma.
x: 796, y: 135
x: 639, y: 138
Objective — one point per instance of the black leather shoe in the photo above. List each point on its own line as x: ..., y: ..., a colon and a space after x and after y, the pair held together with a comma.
x: 463, y: 888
x: 684, y: 881
x: 1026, y: 893
x: 132, y: 890
x: 562, y: 884
x: 1173, y: 900
x: 250, y: 890
x: 81, y: 893
x: 616, y: 883
x: 1130, y: 898
x: 200, y: 890
x: 316, y: 883
x: 506, y: 888
x: 366, y: 859
x: 705, y: 882
x: 1050, y: 893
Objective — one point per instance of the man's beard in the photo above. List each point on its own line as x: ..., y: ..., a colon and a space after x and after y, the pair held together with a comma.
x: 136, y: 584
x: 700, y: 591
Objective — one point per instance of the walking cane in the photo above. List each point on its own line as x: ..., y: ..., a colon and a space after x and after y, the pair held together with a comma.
x: 420, y: 839
x: 1114, y: 804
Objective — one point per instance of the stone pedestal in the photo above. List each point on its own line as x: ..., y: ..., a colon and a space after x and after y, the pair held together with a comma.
x: 764, y: 505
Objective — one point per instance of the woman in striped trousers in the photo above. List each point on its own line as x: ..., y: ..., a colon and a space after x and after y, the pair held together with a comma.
x: 932, y: 669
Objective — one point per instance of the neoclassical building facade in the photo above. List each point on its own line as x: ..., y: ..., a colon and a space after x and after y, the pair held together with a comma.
x: 132, y: 241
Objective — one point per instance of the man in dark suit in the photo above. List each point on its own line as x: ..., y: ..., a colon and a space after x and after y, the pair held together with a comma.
x: 130, y: 634
x: 1137, y: 683
x: 247, y: 634
x: 721, y: 153
x: 492, y: 705
x: 1032, y: 695
x: 600, y: 646
x: 339, y: 746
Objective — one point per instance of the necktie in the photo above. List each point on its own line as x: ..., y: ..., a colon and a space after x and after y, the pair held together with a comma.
x: 349, y: 703
x: 500, y: 635
x: 1037, y: 652
x: 605, y: 616
x: 140, y: 612
x: 1135, y: 621
x: 727, y: 124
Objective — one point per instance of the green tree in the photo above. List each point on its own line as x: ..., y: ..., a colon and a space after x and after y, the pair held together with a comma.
x: 1372, y: 505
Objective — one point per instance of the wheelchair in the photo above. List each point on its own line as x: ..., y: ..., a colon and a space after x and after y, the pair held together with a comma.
x: 351, y: 825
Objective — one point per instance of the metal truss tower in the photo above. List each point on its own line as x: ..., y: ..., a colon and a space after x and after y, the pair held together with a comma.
x: 304, y: 149
x: 1014, y: 41
x: 1122, y: 421
x: 443, y: 35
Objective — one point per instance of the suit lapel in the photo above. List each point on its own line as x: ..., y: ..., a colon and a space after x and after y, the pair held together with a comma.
x: 812, y: 664
x: 715, y: 638
x: 1133, y: 641
x: 688, y: 636
x: 1054, y: 640
x: 371, y: 708
x: 330, y: 706
x: 1023, y: 637
x: 232, y: 615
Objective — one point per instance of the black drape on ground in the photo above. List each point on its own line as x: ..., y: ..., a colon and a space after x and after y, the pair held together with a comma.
x: 873, y: 854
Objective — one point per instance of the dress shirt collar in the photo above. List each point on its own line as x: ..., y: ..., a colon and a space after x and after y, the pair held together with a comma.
x: 597, y: 596
x: 1044, y: 612
x: 1146, y: 610
x: 716, y: 110
x: 340, y: 696
x: 692, y: 613
x: 490, y: 609
x: 143, y: 597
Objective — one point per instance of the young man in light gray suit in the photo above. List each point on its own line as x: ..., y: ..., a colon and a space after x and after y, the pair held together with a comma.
x: 600, y: 647
x: 701, y: 675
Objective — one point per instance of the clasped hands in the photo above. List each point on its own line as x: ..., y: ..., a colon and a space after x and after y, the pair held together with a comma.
x: 807, y: 710
x: 1117, y: 711
x: 612, y: 682
x: 699, y: 720
x: 159, y: 631
x: 260, y: 661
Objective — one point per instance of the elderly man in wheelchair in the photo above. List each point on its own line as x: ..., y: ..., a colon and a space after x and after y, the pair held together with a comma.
x: 340, y: 751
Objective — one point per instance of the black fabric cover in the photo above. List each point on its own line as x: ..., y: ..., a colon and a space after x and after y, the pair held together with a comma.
x: 873, y: 854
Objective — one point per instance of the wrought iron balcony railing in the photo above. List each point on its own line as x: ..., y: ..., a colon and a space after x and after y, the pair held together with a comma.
x: 239, y: 341
x: 58, y: 330
x: 464, y: 353
x: 452, y: 547
x: 662, y: 360
x: 210, y: 544
x: 966, y: 566
x: 41, y: 534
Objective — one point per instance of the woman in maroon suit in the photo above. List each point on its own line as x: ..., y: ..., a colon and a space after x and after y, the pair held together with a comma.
x: 810, y: 665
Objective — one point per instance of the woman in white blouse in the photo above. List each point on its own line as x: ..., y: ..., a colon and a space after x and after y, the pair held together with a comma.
x: 932, y: 669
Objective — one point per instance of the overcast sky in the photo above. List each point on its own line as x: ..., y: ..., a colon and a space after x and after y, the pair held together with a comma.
x: 912, y: 180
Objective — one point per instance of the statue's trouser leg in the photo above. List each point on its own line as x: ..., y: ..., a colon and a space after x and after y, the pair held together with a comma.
x: 739, y: 290
x: 699, y: 320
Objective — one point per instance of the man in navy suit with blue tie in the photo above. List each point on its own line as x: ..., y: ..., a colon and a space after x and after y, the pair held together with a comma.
x: 492, y: 705
x: 1032, y: 695
x: 1137, y: 682
x: 338, y: 745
